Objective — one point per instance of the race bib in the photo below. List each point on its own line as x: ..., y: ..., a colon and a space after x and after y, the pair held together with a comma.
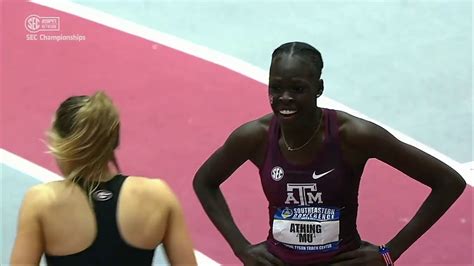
x: 307, y: 228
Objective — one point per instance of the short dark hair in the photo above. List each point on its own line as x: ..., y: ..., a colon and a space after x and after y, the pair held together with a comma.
x: 303, y: 49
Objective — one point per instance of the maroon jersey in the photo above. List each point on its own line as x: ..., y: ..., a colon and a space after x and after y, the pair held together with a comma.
x: 312, y: 208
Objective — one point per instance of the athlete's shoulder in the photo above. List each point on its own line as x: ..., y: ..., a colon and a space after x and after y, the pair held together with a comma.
x: 248, y: 138
x: 146, y: 183
x: 265, y: 120
x: 150, y: 188
x: 347, y: 122
x: 41, y: 195
x: 357, y: 131
x: 254, y: 130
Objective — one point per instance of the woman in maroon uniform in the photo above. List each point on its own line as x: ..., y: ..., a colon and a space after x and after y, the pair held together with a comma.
x: 310, y: 161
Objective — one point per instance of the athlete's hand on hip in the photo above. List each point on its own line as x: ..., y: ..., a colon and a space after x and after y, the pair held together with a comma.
x: 367, y: 255
x: 258, y: 254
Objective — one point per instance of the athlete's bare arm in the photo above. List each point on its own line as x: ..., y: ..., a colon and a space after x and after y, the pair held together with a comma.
x: 372, y: 141
x: 177, y: 241
x: 28, y: 247
x: 245, y: 143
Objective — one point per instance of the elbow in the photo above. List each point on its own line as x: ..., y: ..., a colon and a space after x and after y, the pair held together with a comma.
x: 199, y: 188
x: 455, y: 185
x: 197, y: 184
x: 460, y: 185
x: 201, y: 185
x: 205, y: 191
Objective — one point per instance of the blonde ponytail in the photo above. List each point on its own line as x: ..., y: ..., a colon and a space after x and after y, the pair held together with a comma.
x: 84, y: 136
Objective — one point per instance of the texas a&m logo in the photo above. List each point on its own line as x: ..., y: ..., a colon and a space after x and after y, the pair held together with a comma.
x: 302, y: 194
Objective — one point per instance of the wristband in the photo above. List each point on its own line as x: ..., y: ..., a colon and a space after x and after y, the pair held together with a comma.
x: 385, y: 252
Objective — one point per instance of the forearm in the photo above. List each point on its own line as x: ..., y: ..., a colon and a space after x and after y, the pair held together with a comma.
x: 218, y: 211
x: 435, y: 205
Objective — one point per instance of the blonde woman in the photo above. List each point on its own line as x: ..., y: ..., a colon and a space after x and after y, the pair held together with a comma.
x: 96, y: 216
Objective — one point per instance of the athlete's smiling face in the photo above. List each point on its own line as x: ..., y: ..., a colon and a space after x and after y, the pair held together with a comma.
x: 294, y: 86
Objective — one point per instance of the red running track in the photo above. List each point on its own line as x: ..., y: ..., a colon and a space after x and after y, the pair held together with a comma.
x: 176, y: 109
